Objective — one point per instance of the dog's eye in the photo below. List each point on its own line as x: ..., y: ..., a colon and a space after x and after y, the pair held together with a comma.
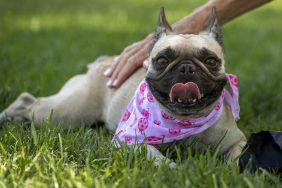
x: 211, y: 62
x: 162, y: 60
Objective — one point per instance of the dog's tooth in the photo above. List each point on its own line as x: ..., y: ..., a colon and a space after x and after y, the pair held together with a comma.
x: 179, y: 100
x: 194, y: 100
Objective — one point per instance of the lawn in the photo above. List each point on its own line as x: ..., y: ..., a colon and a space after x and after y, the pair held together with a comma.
x: 43, y: 43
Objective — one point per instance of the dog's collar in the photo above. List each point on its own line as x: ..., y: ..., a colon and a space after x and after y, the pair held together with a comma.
x: 144, y: 122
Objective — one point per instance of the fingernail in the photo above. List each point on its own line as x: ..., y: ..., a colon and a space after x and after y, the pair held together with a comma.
x: 115, y: 82
x: 116, y: 58
x: 109, y: 83
x: 108, y: 72
x: 146, y: 63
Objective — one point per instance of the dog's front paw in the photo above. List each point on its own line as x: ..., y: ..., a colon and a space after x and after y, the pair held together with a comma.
x: 172, y: 165
x: 235, y: 151
x: 168, y: 162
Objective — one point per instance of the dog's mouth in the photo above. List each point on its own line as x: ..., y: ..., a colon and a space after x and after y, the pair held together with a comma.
x: 187, y: 98
x: 187, y: 93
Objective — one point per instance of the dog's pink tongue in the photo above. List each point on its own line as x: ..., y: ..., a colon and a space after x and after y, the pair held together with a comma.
x: 184, y: 92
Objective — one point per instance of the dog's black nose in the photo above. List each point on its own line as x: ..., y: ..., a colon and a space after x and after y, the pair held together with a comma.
x: 187, y: 67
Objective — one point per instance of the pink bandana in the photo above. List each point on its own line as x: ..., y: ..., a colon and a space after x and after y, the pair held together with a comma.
x: 145, y: 122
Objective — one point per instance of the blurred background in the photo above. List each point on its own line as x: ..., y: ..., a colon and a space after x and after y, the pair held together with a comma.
x: 44, y: 43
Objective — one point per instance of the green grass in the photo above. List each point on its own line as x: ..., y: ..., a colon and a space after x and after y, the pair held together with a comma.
x: 43, y: 43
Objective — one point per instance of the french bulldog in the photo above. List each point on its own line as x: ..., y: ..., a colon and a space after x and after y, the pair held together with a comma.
x: 186, y: 77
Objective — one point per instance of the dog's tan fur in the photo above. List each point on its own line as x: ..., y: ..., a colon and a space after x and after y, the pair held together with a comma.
x: 85, y: 99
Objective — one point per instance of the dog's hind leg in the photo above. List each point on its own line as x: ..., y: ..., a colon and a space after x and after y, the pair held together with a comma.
x: 18, y: 110
x: 78, y: 102
x: 65, y: 106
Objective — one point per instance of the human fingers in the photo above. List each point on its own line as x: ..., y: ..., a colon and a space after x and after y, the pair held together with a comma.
x: 122, y: 64
x: 133, y: 63
x: 116, y: 60
x: 108, y: 72
x: 136, y: 53
x: 146, y: 63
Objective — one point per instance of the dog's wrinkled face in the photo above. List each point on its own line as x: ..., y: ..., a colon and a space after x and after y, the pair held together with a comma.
x: 186, y: 72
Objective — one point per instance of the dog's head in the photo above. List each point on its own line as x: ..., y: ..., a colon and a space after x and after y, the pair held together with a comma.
x: 186, y: 72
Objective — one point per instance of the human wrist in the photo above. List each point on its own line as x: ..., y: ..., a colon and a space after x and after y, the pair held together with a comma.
x: 150, y: 37
x: 195, y: 22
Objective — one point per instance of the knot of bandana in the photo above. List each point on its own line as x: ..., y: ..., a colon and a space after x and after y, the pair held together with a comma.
x: 145, y: 122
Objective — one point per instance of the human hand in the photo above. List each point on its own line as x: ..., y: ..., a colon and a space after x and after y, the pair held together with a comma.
x: 124, y: 65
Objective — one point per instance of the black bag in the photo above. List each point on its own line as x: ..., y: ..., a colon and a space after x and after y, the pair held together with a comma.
x: 264, y: 149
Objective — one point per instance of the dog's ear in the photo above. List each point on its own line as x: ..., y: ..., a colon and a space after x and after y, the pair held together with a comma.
x: 163, y: 27
x: 212, y: 27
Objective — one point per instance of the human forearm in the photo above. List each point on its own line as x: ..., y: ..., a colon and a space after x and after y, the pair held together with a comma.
x: 133, y: 56
x: 226, y: 11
